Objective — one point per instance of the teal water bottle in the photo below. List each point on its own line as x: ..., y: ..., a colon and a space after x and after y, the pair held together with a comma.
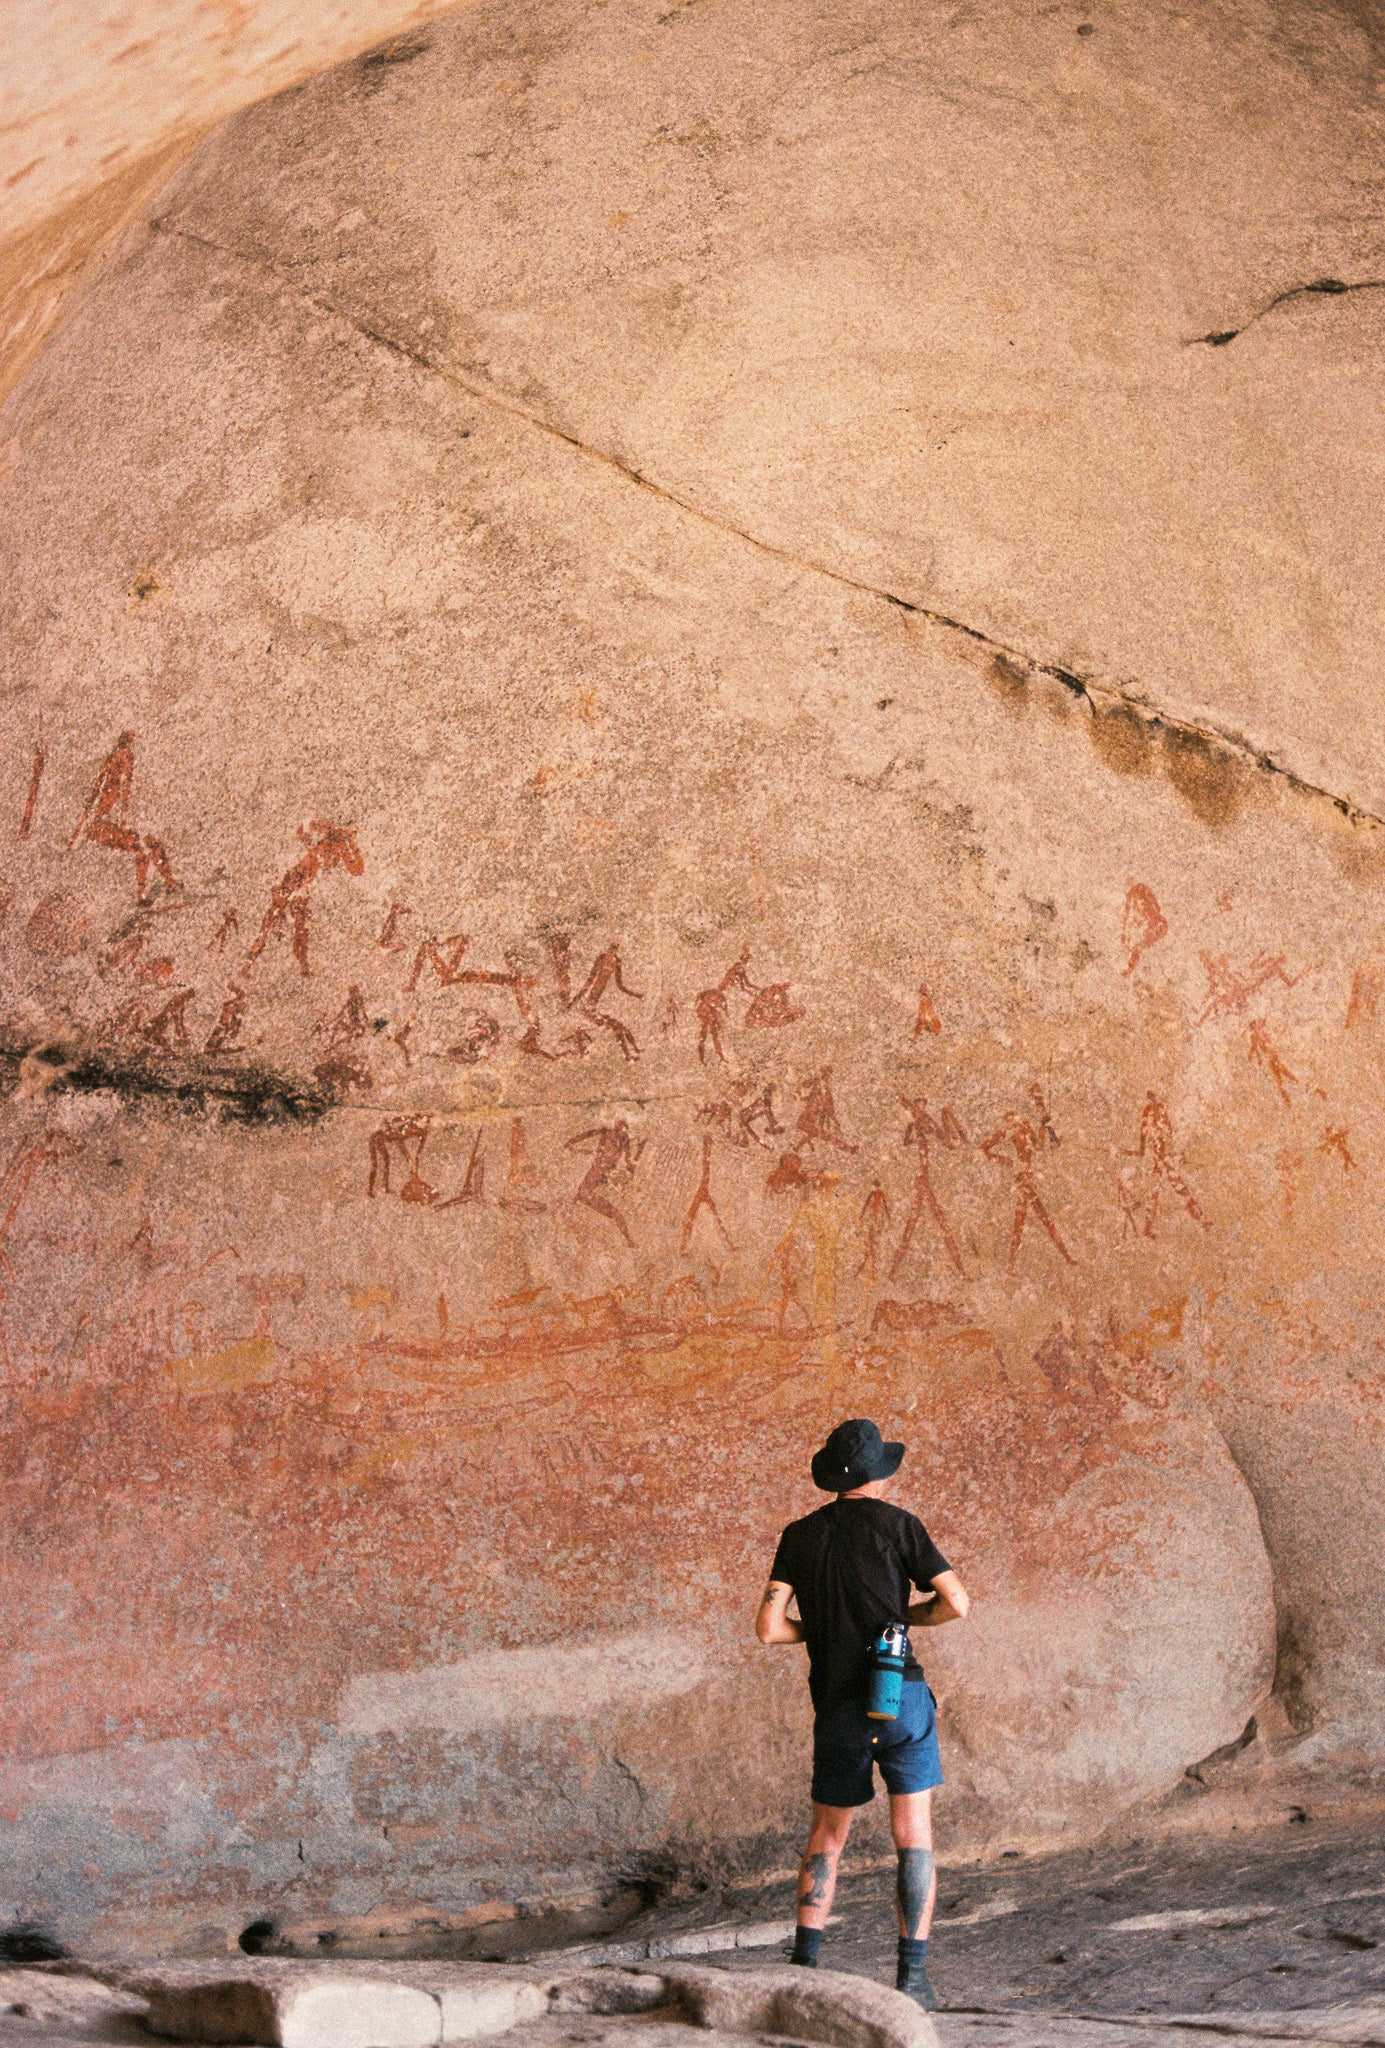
x: 886, y: 1687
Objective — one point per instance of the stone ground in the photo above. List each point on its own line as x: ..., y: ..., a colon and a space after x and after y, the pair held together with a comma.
x: 1285, y: 1917
x: 1276, y: 1933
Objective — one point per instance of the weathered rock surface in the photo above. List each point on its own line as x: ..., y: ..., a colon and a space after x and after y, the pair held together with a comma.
x: 682, y: 761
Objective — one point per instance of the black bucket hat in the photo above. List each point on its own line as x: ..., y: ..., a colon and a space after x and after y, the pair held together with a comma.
x: 852, y: 1455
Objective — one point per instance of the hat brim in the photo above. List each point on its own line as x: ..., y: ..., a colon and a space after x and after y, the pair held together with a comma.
x: 830, y: 1478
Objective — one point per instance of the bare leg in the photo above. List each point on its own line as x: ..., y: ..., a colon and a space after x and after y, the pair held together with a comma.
x: 817, y: 1874
x: 916, y: 1886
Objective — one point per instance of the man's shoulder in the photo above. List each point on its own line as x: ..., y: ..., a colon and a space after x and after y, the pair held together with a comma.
x: 900, y: 1523
x: 805, y: 1529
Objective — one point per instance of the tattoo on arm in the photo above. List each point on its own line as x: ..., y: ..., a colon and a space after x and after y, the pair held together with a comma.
x: 912, y: 1887
x: 815, y: 1880
x: 768, y: 1600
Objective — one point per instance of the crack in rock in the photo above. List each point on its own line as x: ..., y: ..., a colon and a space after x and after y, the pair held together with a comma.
x: 1095, y: 694
x: 1321, y: 288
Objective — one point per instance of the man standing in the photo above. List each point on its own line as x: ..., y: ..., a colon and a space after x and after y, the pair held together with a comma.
x: 851, y: 1566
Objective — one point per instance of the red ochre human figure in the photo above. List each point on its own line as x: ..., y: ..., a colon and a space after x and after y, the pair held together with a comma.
x: 1334, y: 1139
x: 769, y: 1007
x: 350, y: 1021
x: 1156, y: 1146
x: 522, y: 1176
x: 873, y: 1221
x: 606, y: 971
x: 473, y: 1188
x: 389, y: 940
x: 1262, y: 1053
x: 612, y: 1150
x: 703, y: 1200
x: 406, y: 1135
x: 1025, y: 1139
x: 26, y: 823
x: 743, y: 1121
x: 570, y: 1047
x: 927, y: 1018
x: 1143, y: 924
x: 816, y: 1123
x: 1230, y: 989
x: 444, y: 956
x: 920, y: 1129
x: 25, y: 1162
x: 710, y: 1005
x: 1367, y: 984
x: 227, y: 1028
x: 105, y: 819
x: 229, y: 923
x: 334, y: 846
x: 169, y: 1023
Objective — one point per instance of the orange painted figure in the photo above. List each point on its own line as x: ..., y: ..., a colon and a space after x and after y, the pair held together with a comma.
x: 1156, y: 1146
x: 389, y: 940
x: 816, y: 1122
x: 406, y: 1135
x: 1334, y: 1139
x: 1230, y: 989
x: 927, y: 1018
x: 334, y: 846
x: 1262, y: 1053
x: 703, y: 1200
x: 1025, y: 1139
x: 946, y: 1131
x: 613, y: 1152
x: 522, y: 1177
x: 1366, y: 986
x: 1143, y: 924
x: 105, y: 819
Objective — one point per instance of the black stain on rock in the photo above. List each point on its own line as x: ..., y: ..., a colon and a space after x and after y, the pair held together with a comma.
x: 1010, y: 681
x: 1210, y: 780
x: 1123, y: 739
x: 252, y: 1096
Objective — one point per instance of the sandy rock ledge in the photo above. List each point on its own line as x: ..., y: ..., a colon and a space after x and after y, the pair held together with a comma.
x: 288, y: 2004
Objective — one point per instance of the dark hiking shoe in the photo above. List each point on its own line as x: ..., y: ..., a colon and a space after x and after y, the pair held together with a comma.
x: 914, y: 1984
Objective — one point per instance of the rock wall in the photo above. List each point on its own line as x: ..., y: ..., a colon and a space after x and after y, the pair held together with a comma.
x: 98, y: 105
x: 692, y: 745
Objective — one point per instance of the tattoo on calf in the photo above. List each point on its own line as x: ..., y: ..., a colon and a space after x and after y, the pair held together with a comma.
x: 815, y: 1880
x: 912, y: 1887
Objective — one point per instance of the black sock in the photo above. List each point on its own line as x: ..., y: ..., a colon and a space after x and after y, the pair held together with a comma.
x: 806, y: 1943
x: 911, y: 1964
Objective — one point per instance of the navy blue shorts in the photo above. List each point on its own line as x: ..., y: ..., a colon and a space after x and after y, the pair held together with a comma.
x: 846, y: 1743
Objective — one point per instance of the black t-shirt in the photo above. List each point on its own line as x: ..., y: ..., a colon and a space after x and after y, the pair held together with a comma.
x: 851, y: 1565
